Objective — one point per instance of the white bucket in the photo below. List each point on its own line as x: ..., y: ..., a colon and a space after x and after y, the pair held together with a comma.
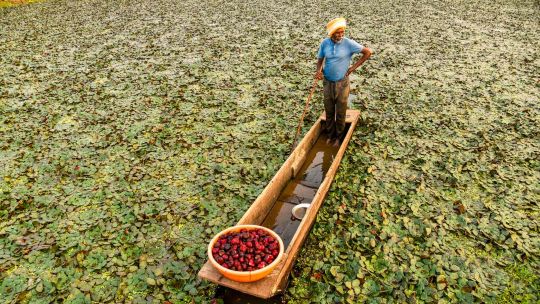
x: 300, y: 210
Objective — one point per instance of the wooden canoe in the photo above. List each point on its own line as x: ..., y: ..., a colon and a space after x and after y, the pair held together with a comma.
x: 277, y: 280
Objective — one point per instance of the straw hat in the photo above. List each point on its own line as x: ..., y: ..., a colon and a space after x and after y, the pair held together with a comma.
x: 334, y: 25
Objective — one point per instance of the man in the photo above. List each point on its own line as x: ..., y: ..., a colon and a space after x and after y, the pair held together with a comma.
x: 335, y: 54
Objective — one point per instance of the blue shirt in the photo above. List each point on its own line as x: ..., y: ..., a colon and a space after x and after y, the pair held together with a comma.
x: 338, y: 57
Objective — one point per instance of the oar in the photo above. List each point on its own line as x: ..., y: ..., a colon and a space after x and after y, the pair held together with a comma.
x: 304, y: 113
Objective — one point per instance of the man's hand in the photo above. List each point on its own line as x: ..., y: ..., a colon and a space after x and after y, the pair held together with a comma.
x: 319, y: 74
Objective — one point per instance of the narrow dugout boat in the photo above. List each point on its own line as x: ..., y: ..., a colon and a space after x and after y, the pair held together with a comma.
x: 294, y: 183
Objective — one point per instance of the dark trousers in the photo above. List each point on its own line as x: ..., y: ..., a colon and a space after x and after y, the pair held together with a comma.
x: 336, y: 96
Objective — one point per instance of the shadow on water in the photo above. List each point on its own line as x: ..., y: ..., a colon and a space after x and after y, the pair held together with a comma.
x: 301, y: 189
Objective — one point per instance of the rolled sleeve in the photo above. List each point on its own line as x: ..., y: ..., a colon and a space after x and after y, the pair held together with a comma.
x: 356, y: 47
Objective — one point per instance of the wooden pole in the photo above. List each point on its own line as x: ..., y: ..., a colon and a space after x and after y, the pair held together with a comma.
x: 313, y: 86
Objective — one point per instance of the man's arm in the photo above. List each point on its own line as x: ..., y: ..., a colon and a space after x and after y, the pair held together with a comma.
x: 366, y: 53
x: 318, y: 73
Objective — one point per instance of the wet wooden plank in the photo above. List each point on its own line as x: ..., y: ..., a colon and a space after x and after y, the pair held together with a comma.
x: 309, y: 219
x: 277, y: 280
x: 264, y: 288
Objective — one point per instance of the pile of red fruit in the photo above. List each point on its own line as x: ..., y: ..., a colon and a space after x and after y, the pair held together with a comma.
x: 245, y: 250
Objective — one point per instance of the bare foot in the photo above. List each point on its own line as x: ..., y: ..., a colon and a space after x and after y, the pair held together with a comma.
x: 336, y: 143
x: 329, y: 141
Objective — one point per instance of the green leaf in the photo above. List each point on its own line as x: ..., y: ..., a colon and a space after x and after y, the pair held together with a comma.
x: 334, y: 270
